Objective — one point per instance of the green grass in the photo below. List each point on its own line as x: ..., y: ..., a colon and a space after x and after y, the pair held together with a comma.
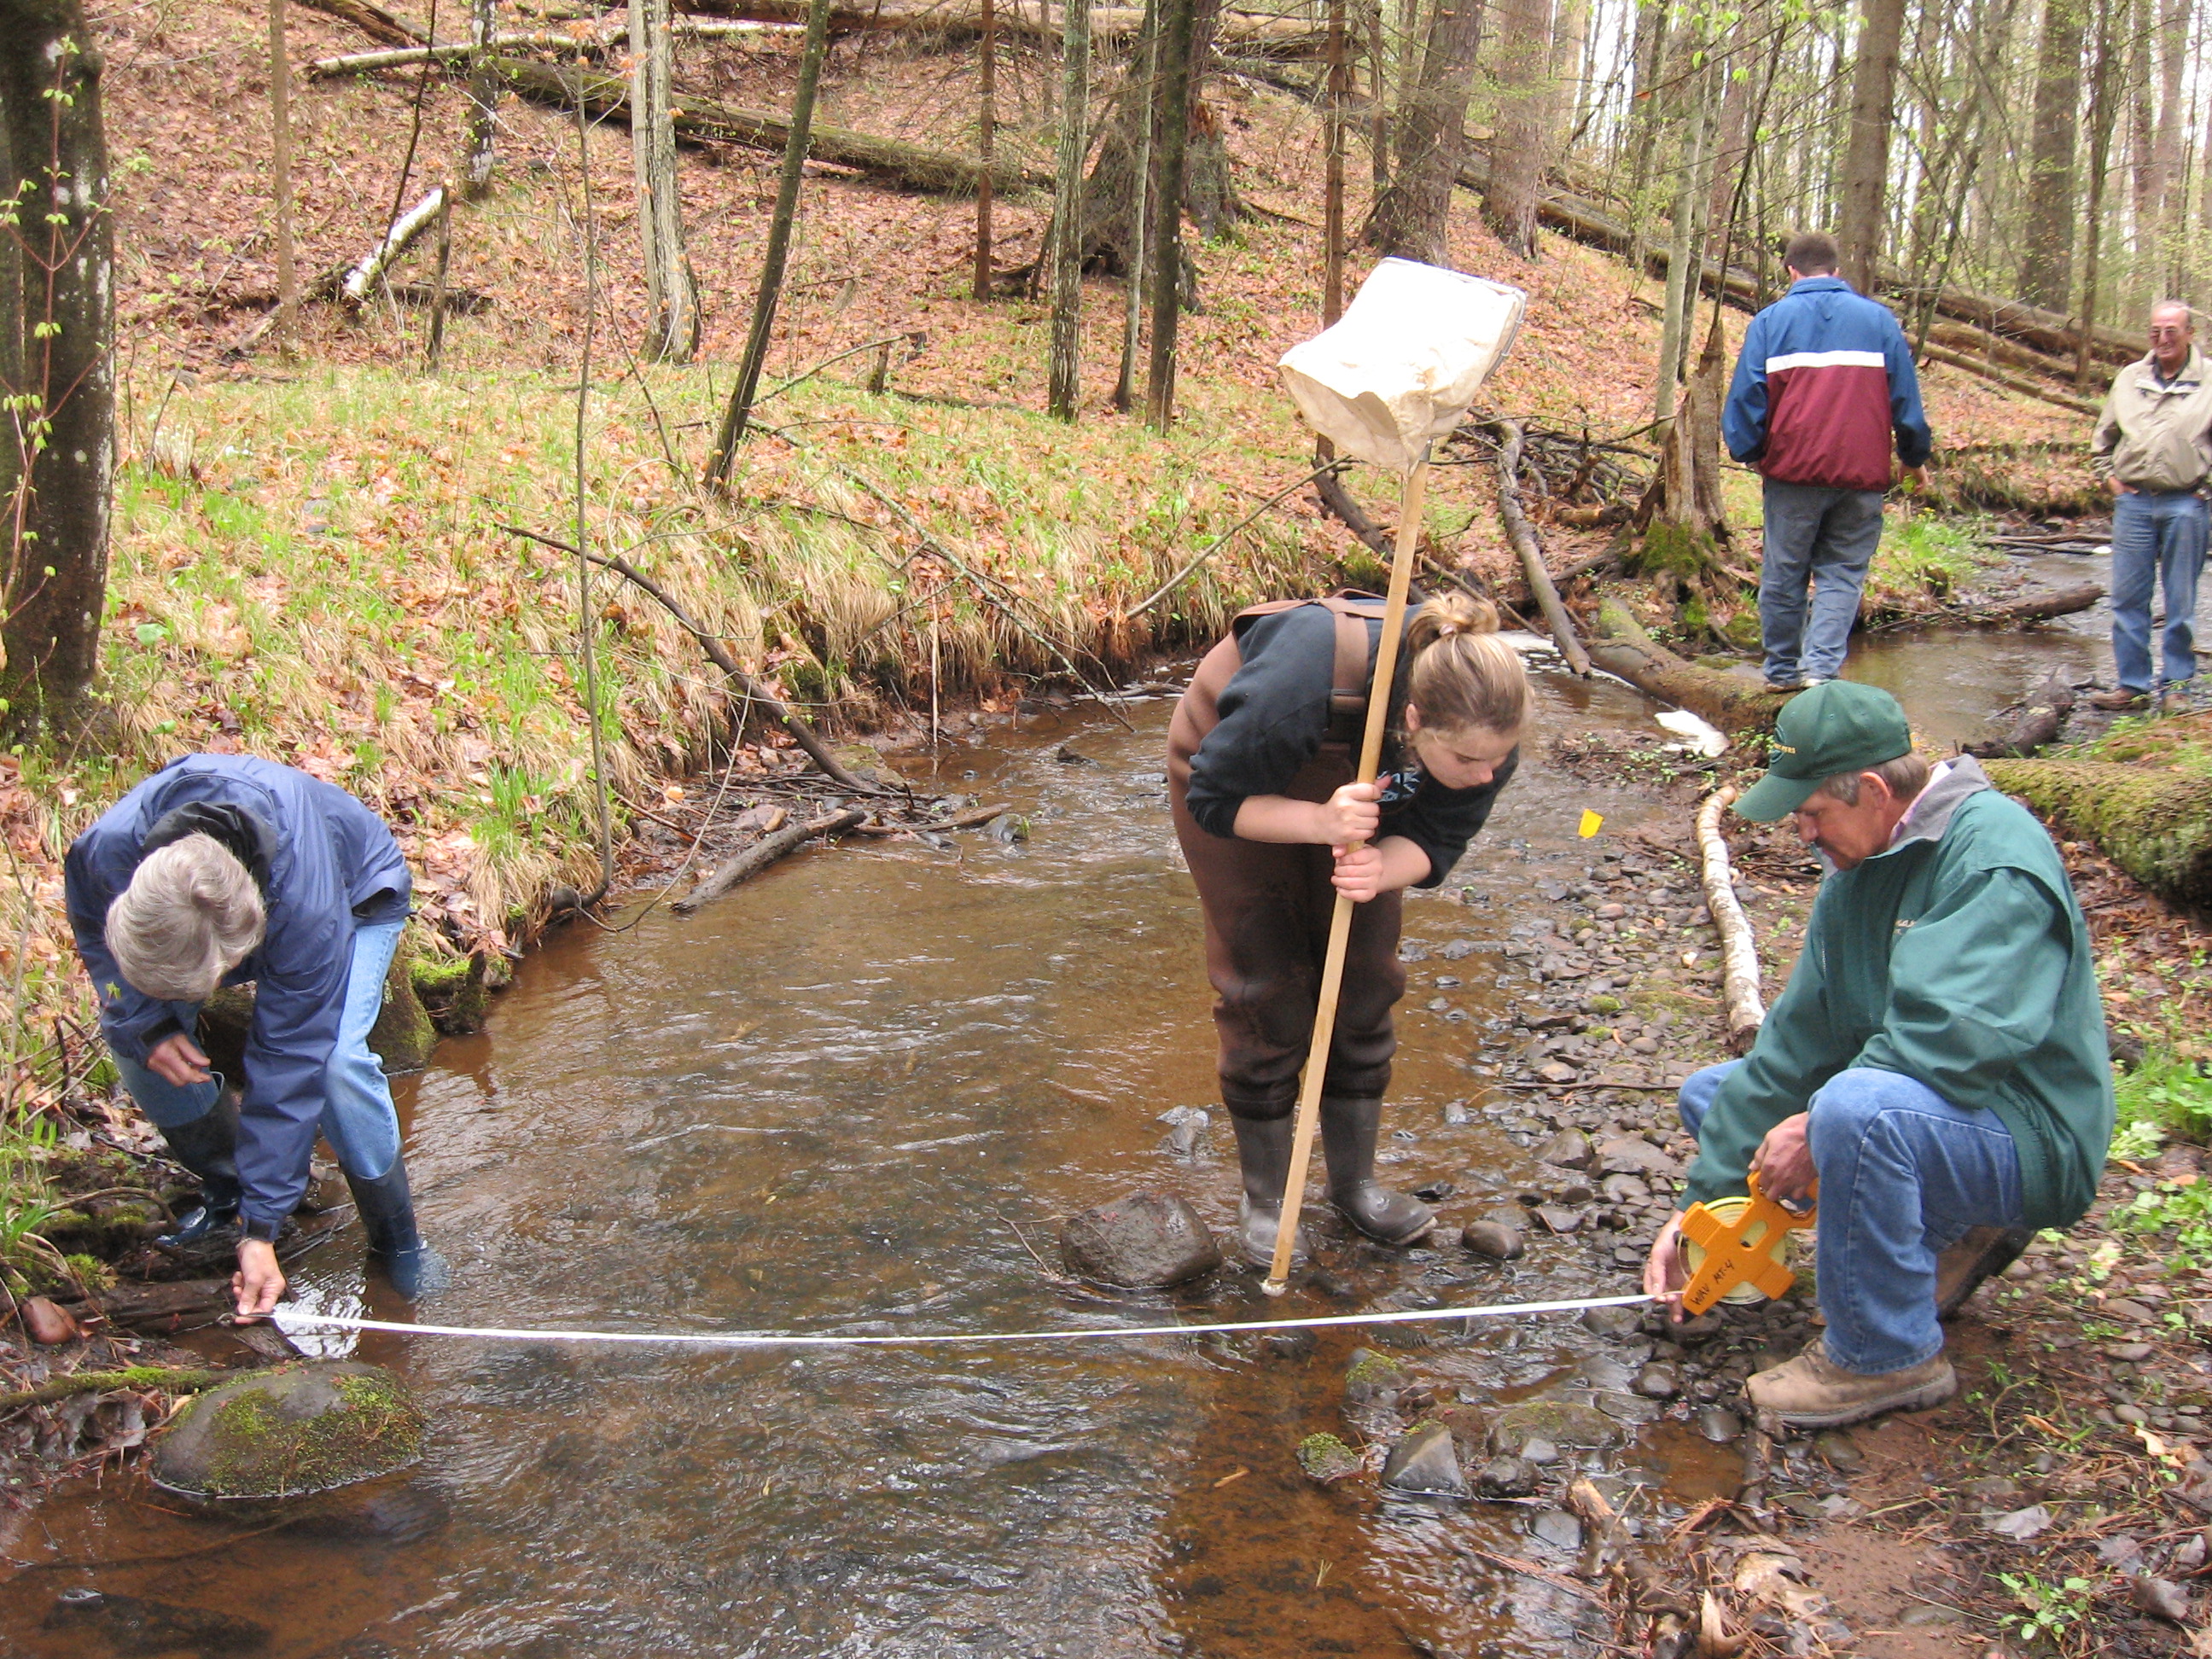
x: 1923, y: 558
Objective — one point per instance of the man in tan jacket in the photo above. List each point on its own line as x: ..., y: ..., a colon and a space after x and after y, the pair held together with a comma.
x: 2153, y: 446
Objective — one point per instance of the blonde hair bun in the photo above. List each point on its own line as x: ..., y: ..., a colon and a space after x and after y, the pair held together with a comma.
x: 1459, y: 673
x: 1444, y: 615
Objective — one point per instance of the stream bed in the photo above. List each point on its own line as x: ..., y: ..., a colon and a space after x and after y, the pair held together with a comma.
x: 858, y: 1094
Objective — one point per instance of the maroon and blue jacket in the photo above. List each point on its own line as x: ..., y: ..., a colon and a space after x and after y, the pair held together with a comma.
x: 1825, y: 382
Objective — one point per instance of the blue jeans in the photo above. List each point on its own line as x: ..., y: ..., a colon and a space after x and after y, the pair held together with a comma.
x: 1904, y: 1174
x: 2156, y: 538
x: 359, y: 1119
x: 1826, y: 538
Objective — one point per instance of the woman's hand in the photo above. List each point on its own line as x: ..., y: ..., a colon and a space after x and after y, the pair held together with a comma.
x: 1358, y: 874
x: 178, y: 1060
x: 1351, y: 814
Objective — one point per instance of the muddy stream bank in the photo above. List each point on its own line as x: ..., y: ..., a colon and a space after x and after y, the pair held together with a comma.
x: 859, y: 1093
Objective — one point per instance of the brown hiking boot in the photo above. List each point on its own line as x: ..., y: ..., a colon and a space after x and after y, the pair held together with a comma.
x: 1982, y: 1253
x: 1813, y: 1392
x: 2119, y: 699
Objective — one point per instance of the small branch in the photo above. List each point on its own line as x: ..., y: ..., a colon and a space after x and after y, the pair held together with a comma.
x: 1337, y: 499
x: 145, y: 1379
x: 1523, y: 537
x: 762, y: 853
x: 1220, y: 542
x: 1740, y: 999
x: 354, y: 287
x: 718, y: 654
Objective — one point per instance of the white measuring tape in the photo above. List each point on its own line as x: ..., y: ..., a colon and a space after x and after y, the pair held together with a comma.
x: 288, y: 1320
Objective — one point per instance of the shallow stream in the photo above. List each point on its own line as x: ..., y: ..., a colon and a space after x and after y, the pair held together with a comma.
x: 859, y: 1093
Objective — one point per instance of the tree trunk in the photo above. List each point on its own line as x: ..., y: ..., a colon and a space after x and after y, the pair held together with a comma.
x: 2046, y: 265
x: 2165, y: 214
x: 1332, y: 149
x: 2154, y: 822
x: 671, y: 292
x: 57, y: 337
x: 1683, y: 257
x: 987, y: 130
x: 1861, y: 214
x: 1064, y: 390
x: 1520, y: 148
x: 1643, y: 119
x: 1409, y: 218
x: 1690, y: 458
x: 1178, y: 69
x: 280, y: 177
x: 480, y: 137
x: 1142, y: 65
x: 779, y: 245
x: 1378, y: 99
x: 1728, y: 701
x: 1110, y: 196
x: 2103, y: 110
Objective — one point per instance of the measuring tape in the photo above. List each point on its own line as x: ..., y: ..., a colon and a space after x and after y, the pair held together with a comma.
x: 289, y: 1320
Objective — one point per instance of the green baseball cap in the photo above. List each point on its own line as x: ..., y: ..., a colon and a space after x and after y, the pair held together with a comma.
x: 1832, y: 728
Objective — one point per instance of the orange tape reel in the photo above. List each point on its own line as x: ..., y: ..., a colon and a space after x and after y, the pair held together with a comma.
x: 1740, y: 1249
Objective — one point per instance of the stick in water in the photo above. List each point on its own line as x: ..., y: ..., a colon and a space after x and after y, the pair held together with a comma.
x: 1340, y: 921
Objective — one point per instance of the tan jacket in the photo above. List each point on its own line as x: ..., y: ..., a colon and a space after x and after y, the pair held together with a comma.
x: 2156, y: 437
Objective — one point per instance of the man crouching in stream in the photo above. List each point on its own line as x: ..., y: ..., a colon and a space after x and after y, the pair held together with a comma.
x: 1937, y: 1060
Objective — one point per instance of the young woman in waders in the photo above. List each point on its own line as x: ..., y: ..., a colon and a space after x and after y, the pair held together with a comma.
x: 1261, y: 758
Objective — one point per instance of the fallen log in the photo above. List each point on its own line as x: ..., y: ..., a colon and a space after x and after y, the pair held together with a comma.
x: 2027, y: 725
x: 183, y: 1305
x: 701, y: 120
x: 1275, y: 36
x: 370, y: 18
x: 2026, y: 388
x: 2031, y: 607
x: 2154, y: 823
x: 1740, y: 1000
x: 1623, y: 649
x: 1523, y: 538
x: 967, y: 820
x: 139, y: 1379
x: 406, y: 229
x: 762, y: 853
x: 368, y: 63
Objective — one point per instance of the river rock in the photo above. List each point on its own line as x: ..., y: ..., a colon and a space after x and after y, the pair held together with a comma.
x: 1185, y: 1125
x: 1570, y: 1149
x: 1719, y: 1424
x: 1143, y: 1242
x: 1008, y: 830
x: 1557, y: 1218
x: 1563, y: 1422
x: 1557, y: 1071
x: 1602, y: 1370
x: 1326, y: 1458
x: 48, y: 1322
x: 1838, y: 1450
x: 1470, y: 1429
x: 1493, y: 1239
x: 288, y: 1432
x: 135, y: 1624
x: 1656, y: 1382
x: 1425, y: 1461
x: 1371, y: 1376
x: 1633, y: 1155
x: 1557, y: 1529
x: 1507, y: 1477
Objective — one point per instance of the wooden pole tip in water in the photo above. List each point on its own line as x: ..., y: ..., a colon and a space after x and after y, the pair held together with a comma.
x: 1274, y: 1287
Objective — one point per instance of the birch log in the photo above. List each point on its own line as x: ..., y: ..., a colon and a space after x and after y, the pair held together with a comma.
x: 764, y: 852
x: 355, y: 286
x: 1739, y: 1003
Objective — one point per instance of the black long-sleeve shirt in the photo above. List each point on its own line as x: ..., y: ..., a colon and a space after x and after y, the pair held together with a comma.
x: 1275, y: 716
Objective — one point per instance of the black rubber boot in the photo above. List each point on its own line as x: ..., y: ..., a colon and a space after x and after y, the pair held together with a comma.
x: 208, y: 1147
x: 1263, y: 1156
x: 387, y: 1215
x: 1349, y: 1126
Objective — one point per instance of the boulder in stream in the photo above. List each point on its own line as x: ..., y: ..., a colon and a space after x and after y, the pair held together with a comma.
x: 1326, y: 1458
x: 1145, y: 1242
x: 1562, y: 1422
x: 1427, y: 1462
x: 134, y: 1624
x: 291, y: 1431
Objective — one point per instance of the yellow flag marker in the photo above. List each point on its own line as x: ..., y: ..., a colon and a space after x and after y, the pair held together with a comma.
x: 1592, y: 822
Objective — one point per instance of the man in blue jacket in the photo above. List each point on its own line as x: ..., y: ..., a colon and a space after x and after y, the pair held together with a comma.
x: 217, y: 870
x: 1824, y: 383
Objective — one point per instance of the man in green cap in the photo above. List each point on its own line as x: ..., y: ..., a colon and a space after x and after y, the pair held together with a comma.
x: 1937, y: 1062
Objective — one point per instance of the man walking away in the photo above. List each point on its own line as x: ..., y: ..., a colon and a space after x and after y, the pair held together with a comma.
x: 2154, y: 447
x: 1824, y: 383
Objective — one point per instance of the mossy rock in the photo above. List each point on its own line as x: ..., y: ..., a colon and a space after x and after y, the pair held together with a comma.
x: 402, y: 1037
x: 454, y: 992
x: 1372, y: 1375
x: 290, y: 1433
x: 1562, y: 1422
x: 2156, y: 824
x: 1326, y: 1458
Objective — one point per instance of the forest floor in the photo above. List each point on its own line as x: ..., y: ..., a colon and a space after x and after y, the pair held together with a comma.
x: 316, y: 557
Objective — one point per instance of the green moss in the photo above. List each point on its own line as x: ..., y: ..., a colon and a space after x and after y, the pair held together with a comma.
x: 263, y: 1452
x: 1379, y: 1369
x: 1324, y: 1457
x: 1605, y: 1003
x: 1674, y: 549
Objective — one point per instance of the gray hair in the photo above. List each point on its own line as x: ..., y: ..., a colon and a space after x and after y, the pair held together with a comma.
x: 1904, y: 777
x: 2188, y: 312
x: 191, y: 914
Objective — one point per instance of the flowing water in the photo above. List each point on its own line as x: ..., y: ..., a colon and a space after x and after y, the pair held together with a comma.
x: 858, y: 1093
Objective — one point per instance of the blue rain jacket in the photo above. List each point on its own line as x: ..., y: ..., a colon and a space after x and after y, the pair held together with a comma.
x: 325, y: 865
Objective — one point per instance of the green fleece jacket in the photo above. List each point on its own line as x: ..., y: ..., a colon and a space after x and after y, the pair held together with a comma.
x: 1958, y: 958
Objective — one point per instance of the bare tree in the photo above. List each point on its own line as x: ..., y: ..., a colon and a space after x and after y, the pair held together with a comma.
x: 57, y: 362
x: 671, y: 292
x: 1409, y: 218
x: 1177, y: 68
x: 1338, y: 88
x: 986, y: 130
x: 478, y: 140
x: 280, y: 177
x: 1520, y: 149
x: 1209, y: 196
x: 1865, y: 185
x: 2104, y: 109
x: 1064, y: 376
x: 1141, y: 72
x: 2046, y: 264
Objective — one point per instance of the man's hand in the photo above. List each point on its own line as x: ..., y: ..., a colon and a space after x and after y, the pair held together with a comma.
x: 178, y: 1060
x: 2116, y: 487
x: 1351, y: 814
x: 1784, y: 1161
x: 258, y: 1281
x: 1912, y: 479
x: 1358, y: 874
x: 1666, y: 1271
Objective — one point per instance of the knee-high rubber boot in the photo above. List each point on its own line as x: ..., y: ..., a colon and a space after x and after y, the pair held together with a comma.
x: 1349, y: 1126
x: 1263, y: 1156
x: 208, y: 1147
x: 387, y: 1216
